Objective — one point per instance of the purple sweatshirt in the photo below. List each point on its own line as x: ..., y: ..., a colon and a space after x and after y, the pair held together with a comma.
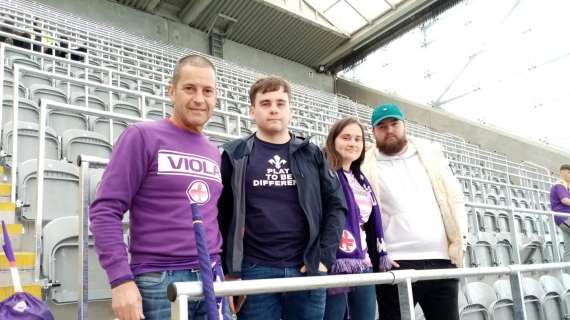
x: 154, y: 171
x: 557, y: 193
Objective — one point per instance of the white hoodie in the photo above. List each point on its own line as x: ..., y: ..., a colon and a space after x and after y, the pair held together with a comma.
x: 413, y: 227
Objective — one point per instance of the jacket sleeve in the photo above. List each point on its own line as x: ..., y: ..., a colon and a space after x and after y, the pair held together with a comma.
x: 455, y: 198
x: 334, y: 212
x: 120, y: 183
x: 226, y: 209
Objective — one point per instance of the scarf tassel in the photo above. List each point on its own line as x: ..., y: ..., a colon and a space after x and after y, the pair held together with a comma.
x: 348, y: 265
x: 384, y: 262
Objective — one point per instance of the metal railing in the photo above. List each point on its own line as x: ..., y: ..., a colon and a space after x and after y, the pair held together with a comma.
x: 180, y: 293
x: 85, y: 163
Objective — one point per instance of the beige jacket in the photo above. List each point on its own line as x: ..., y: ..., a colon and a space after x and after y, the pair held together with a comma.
x: 446, y: 188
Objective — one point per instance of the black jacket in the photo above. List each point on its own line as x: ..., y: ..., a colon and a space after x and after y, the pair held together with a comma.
x: 320, y: 197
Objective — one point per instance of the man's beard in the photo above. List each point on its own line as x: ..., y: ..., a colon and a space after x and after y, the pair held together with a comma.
x: 392, y: 148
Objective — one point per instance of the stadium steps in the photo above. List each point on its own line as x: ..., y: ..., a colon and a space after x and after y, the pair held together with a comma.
x: 25, y: 263
x: 24, y: 260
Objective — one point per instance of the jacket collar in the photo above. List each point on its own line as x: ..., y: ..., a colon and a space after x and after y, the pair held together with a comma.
x: 240, y: 147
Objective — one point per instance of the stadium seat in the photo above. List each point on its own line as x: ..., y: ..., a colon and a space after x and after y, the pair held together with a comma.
x: 78, y: 142
x: 556, y: 300
x: 484, y: 254
x: 61, y: 178
x: 28, y: 134
x: 480, y: 298
x: 93, y: 102
x: 28, y: 111
x: 59, y: 262
x: 217, y: 123
x: 61, y: 120
x: 504, y: 251
x: 101, y: 126
x: 156, y: 114
x: 41, y: 91
x: 504, y: 306
x: 533, y: 295
x: 127, y: 108
x: 8, y: 91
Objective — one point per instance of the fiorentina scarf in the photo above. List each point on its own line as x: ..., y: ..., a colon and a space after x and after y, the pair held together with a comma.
x: 350, y: 255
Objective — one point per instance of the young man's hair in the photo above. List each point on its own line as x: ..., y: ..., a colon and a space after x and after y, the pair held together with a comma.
x: 268, y: 84
x: 193, y: 60
x: 333, y: 157
x: 565, y: 167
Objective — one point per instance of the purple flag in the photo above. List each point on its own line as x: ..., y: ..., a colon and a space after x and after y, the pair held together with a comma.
x: 214, y: 313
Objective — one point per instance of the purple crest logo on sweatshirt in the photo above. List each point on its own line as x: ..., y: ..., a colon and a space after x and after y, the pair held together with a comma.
x: 198, y: 192
x: 187, y: 164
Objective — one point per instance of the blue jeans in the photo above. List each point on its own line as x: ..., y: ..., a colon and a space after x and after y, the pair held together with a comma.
x: 309, y: 305
x: 361, y: 303
x: 156, y: 305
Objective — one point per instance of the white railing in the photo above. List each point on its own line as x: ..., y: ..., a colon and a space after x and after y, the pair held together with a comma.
x: 180, y: 293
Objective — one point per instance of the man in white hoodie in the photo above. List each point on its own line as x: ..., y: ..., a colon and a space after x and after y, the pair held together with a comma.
x: 425, y: 225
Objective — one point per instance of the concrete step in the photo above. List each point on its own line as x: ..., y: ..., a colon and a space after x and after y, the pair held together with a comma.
x: 26, y: 276
x: 8, y: 211
x: 5, y: 189
x: 24, y: 260
x: 16, y: 232
x: 34, y: 289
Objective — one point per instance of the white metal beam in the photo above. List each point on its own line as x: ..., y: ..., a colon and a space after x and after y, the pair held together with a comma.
x: 380, y: 25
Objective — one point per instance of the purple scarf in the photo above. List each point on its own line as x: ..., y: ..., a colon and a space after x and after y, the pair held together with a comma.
x: 350, y: 255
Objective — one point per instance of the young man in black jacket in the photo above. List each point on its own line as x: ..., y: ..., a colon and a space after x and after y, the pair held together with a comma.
x: 282, y: 211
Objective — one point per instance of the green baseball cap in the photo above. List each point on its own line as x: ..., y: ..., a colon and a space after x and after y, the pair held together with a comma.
x: 386, y: 110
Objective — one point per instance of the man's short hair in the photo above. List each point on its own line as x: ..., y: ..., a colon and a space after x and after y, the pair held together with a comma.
x: 193, y: 60
x: 268, y: 84
x: 565, y: 167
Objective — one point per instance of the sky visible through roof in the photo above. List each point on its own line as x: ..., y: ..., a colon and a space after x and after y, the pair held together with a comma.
x: 351, y: 15
x: 502, y: 63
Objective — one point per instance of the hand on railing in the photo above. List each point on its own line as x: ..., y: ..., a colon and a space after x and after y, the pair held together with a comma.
x: 235, y: 302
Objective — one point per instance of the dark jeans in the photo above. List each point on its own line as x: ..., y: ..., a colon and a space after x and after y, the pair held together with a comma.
x: 309, y: 305
x: 438, y: 298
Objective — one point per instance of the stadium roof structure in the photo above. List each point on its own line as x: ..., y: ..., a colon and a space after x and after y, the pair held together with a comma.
x: 329, y: 35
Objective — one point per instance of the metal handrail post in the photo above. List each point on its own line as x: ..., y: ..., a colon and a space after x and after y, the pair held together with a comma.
x: 515, y: 279
x: 83, y: 235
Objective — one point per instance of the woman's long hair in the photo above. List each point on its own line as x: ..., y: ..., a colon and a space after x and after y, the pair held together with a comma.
x: 332, y: 156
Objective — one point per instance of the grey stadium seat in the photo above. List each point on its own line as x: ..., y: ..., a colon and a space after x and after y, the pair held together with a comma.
x: 480, y: 298
x: 59, y: 262
x: 28, y: 111
x: 62, y: 120
x: 61, y: 180
x: 127, y: 108
x: 556, y: 300
x: 483, y: 303
x: 93, y: 102
x: 8, y: 91
x: 504, y: 306
x: 533, y: 295
x: 76, y: 142
x: 217, y: 123
x: 41, y: 91
x: 156, y: 114
x: 28, y: 134
x: 101, y: 126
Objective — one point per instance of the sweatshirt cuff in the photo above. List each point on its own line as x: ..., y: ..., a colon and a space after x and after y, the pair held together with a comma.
x: 118, y: 272
x: 122, y: 280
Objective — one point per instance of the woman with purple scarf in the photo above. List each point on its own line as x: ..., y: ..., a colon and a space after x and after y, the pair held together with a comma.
x: 363, y: 228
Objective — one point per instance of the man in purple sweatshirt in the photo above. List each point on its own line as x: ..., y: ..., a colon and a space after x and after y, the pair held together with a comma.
x: 156, y: 170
